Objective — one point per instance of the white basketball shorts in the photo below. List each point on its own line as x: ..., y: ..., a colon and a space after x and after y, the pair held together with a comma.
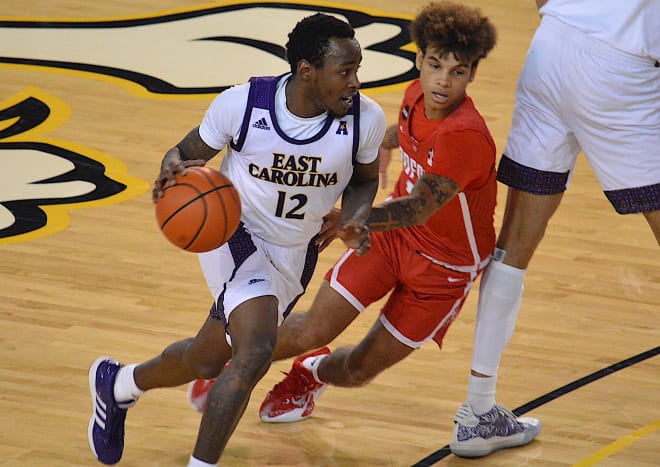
x: 576, y: 93
x: 247, y: 267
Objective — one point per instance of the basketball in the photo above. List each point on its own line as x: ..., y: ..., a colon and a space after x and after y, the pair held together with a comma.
x: 201, y: 211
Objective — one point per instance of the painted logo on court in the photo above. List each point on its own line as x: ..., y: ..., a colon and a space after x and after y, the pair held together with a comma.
x: 185, y: 52
x: 42, y: 178
x: 201, y: 51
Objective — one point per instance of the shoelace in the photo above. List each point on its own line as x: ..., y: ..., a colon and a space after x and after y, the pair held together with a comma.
x: 506, y: 412
x: 510, y: 424
x: 293, y: 386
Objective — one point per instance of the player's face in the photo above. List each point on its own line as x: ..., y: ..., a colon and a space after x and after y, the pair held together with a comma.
x: 444, y: 80
x: 336, y: 81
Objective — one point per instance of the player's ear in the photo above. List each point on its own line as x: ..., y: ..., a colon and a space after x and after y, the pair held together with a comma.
x: 305, y: 70
x: 419, y: 58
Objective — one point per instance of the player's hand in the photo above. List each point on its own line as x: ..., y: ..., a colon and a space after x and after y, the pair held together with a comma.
x: 356, y: 236
x: 167, y: 173
x: 329, y: 229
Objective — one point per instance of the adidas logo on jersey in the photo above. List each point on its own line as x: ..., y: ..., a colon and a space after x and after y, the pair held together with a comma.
x: 261, y: 124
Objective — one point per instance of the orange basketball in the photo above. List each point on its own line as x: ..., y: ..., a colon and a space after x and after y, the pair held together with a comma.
x: 201, y: 211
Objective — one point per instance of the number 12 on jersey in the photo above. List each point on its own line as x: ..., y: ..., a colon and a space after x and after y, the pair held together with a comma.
x: 293, y: 205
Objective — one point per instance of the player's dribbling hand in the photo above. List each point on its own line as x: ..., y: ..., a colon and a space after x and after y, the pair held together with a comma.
x: 167, y: 173
x: 356, y: 236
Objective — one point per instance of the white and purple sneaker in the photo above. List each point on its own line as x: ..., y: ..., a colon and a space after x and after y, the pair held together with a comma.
x: 479, y: 435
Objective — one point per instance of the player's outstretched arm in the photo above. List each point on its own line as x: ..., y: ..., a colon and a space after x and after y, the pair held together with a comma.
x: 429, y: 194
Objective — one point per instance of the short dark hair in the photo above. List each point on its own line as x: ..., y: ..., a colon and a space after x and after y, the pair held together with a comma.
x: 310, y: 39
x: 454, y: 28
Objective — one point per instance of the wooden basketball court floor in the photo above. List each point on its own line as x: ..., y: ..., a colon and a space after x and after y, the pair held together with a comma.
x: 89, y: 273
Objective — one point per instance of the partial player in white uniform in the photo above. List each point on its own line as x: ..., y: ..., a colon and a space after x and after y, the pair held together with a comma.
x: 591, y: 83
x: 295, y: 144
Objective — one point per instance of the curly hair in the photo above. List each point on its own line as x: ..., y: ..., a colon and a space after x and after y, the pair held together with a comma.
x: 454, y: 28
x: 310, y: 39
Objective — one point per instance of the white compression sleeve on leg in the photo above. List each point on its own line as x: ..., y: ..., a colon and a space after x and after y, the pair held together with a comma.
x: 500, y: 294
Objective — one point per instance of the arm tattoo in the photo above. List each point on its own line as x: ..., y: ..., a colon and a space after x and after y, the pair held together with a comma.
x: 394, y: 214
x: 193, y: 147
x: 442, y: 188
x: 430, y: 193
x: 190, y: 146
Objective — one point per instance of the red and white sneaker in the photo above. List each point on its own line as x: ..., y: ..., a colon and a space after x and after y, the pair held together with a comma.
x: 293, y: 398
x: 198, y: 391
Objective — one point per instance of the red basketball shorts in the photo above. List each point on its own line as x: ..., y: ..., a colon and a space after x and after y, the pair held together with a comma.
x: 425, y: 297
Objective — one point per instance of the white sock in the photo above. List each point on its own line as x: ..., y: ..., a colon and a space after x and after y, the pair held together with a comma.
x: 312, y: 364
x: 500, y: 294
x: 125, y: 388
x: 194, y: 462
x: 481, y: 393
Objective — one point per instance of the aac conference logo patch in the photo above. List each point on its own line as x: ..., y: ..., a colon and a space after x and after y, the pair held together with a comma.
x: 190, y: 52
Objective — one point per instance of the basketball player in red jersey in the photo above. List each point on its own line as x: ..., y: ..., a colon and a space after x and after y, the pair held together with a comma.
x: 430, y: 240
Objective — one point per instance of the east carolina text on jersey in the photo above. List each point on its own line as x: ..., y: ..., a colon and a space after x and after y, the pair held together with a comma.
x: 294, y: 170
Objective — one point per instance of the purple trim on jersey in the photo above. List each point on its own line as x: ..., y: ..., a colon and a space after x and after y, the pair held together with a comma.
x: 241, y: 248
x: 355, y: 110
x: 539, y: 182
x: 245, y: 125
x: 262, y: 96
x: 267, y: 86
x: 635, y: 200
x: 266, y: 100
x: 308, y: 271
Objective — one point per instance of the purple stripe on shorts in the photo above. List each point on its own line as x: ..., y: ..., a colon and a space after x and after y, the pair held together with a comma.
x: 218, y: 313
x: 308, y: 271
x: 241, y: 247
x: 538, y: 182
x: 635, y: 200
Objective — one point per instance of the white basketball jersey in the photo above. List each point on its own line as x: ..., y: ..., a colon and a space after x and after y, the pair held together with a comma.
x: 286, y: 184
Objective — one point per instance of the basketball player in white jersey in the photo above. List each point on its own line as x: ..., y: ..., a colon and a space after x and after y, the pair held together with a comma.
x: 591, y: 82
x: 295, y: 144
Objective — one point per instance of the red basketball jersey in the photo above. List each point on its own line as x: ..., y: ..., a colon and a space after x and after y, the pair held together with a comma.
x: 460, y: 147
